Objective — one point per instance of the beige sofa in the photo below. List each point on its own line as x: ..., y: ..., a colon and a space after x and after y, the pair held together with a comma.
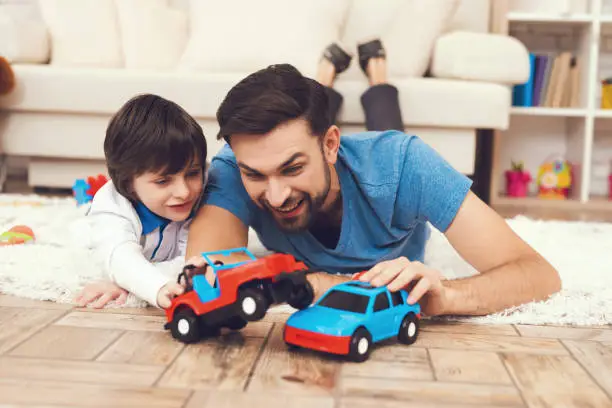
x: 57, y: 115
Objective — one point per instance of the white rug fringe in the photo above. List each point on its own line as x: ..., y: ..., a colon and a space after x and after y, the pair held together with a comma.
x: 60, y: 263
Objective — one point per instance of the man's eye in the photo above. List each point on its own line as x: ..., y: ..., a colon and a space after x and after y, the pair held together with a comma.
x: 292, y: 170
x: 253, y: 176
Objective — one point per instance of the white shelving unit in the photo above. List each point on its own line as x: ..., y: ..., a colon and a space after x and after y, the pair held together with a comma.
x: 582, y: 134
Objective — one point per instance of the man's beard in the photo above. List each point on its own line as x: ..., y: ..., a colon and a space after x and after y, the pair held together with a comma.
x: 311, y: 207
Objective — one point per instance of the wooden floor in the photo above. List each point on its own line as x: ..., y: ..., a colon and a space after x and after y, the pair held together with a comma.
x: 56, y: 355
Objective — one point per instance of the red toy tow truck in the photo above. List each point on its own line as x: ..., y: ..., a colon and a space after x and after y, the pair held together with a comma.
x: 241, y: 292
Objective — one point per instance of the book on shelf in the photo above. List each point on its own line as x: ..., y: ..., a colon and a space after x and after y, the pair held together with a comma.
x: 553, y: 82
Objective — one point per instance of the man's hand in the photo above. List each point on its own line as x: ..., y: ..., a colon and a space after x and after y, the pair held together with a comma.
x: 99, y: 294
x: 168, y: 292
x: 425, y: 283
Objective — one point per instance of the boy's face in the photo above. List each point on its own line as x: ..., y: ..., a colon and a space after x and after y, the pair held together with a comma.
x: 170, y: 196
x: 287, y: 172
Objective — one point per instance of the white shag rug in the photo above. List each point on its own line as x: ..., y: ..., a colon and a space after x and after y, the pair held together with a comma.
x: 60, y: 263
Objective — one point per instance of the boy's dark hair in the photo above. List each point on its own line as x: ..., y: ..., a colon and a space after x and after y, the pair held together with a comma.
x: 150, y: 133
x: 270, y: 97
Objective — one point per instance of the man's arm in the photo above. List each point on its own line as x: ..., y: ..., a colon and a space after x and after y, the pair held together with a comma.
x: 216, y: 229
x: 511, y: 272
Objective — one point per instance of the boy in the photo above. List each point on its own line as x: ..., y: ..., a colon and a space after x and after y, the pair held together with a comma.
x: 156, y: 158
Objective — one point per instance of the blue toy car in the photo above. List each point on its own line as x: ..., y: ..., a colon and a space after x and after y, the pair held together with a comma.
x: 350, y: 317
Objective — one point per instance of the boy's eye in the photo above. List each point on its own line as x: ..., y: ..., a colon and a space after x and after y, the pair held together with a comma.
x: 161, y: 182
x: 194, y: 173
x: 293, y: 170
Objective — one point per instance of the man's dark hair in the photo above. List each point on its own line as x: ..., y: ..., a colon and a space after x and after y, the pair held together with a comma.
x: 270, y: 97
x: 150, y: 133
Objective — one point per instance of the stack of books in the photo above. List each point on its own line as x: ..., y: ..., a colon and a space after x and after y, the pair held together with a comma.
x: 553, y: 82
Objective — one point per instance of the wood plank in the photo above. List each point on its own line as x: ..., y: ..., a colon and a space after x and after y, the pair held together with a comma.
x: 596, y: 358
x: 257, y: 329
x: 299, y: 372
x: 445, y: 326
x: 50, y: 393
x: 219, y: 363
x: 430, y: 392
x: 141, y: 311
x: 220, y: 399
x: 113, y: 321
x: 143, y: 347
x: 483, y: 367
x: 16, y: 301
x: 18, y: 324
x: 554, y: 381
x: 481, y: 342
x: 66, y: 342
x: 393, y: 361
x: 78, y: 371
x: 383, y: 403
x: 570, y: 333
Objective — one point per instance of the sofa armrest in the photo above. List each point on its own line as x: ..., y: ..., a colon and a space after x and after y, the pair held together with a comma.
x: 480, y: 57
x: 24, y: 41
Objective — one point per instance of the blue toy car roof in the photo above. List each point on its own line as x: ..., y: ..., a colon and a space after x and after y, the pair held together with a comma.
x: 361, y: 288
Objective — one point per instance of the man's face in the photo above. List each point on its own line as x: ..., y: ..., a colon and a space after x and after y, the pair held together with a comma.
x: 287, y: 171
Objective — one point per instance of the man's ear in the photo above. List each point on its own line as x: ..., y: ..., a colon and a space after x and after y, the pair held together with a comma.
x: 331, y: 144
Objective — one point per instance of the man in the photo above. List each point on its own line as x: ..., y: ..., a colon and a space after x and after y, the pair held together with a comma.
x: 360, y: 202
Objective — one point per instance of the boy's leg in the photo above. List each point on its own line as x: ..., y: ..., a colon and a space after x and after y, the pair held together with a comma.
x: 381, y: 101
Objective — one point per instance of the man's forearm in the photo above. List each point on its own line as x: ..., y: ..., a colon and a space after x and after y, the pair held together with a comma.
x: 322, y: 281
x: 522, y: 281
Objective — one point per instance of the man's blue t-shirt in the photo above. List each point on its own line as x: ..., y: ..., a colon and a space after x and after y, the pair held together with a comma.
x: 392, y: 184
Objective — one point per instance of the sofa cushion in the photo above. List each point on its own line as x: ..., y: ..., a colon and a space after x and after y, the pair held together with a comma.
x: 424, y: 101
x: 244, y: 36
x: 407, y: 28
x: 145, y: 45
x: 83, y: 32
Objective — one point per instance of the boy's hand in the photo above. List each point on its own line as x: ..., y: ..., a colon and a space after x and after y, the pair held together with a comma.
x: 168, y: 292
x: 101, y: 293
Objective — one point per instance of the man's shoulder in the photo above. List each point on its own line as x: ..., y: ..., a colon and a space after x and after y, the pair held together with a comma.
x: 378, y: 157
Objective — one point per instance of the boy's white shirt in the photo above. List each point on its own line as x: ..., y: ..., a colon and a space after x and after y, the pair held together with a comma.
x: 130, y: 257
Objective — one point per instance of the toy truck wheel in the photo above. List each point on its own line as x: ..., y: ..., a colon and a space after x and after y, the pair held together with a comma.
x: 186, y: 326
x: 301, y: 297
x: 409, y: 329
x: 361, y: 343
x: 252, y: 304
x: 236, y: 323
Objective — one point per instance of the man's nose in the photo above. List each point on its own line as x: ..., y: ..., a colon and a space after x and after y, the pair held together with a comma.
x: 277, y: 192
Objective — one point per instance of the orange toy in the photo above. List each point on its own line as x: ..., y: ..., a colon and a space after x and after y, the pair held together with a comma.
x: 19, y: 234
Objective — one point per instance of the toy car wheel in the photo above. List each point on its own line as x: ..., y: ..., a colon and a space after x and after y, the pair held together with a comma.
x: 186, y: 326
x: 361, y: 343
x: 409, y: 329
x: 301, y: 297
x: 252, y: 304
x: 236, y: 323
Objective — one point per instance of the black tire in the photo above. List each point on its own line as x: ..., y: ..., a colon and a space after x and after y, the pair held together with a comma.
x: 236, y: 323
x: 360, y: 345
x: 186, y: 326
x: 301, y: 297
x: 409, y: 329
x: 252, y: 304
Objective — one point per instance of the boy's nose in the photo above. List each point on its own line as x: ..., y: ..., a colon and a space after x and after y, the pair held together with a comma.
x: 181, y: 189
